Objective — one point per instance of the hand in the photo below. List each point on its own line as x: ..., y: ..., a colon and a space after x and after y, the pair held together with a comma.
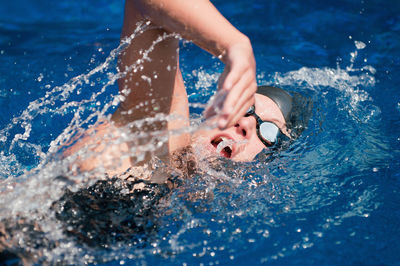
x: 236, y: 87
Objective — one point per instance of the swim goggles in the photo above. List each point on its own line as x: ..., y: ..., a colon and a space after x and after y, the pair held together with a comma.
x: 267, y: 131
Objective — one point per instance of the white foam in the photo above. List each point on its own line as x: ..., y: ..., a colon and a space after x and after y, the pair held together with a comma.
x: 352, y: 82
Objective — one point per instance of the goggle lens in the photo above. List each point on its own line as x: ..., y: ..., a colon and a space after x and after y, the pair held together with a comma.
x: 267, y: 131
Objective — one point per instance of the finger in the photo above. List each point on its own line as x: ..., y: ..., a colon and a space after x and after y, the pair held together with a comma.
x: 227, y: 120
x: 216, y: 104
x: 239, y: 113
x: 239, y: 94
x: 236, y: 92
x: 209, y: 112
x: 243, y: 103
x: 222, y: 77
x: 232, y: 77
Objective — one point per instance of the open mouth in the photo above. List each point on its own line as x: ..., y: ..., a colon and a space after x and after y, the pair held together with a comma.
x: 223, y: 146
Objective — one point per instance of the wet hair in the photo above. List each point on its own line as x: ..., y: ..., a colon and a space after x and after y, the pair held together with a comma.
x: 296, y: 109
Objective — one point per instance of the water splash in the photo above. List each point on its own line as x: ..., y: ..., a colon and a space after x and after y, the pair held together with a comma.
x: 61, y: 101
x: 352, y: 82
x: 52, y: 175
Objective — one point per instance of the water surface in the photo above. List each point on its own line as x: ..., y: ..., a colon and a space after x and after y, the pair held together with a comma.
x: 332, y: 198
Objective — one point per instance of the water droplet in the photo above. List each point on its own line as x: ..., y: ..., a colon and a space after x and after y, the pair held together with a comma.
x: 360, y: 45
x: 318, y: 234
x: 146, y: 79
x: 307, y: 245
x: 40, y: 78
x: 237, y: 231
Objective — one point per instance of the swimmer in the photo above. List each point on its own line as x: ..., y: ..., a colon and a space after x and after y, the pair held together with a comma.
x: 262, y: 127
x: 248, y: 118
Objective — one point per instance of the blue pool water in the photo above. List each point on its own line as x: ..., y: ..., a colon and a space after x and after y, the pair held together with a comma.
x: 332, y: 198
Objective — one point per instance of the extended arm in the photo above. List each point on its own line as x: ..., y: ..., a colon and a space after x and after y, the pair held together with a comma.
x: 195, y: 20
x: 200, y: 22
x: 154, y: 84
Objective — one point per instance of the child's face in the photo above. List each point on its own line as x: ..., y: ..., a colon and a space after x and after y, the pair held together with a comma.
x: 240, y: 142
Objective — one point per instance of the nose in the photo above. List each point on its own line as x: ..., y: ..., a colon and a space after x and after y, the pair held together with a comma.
x: 246, y: 126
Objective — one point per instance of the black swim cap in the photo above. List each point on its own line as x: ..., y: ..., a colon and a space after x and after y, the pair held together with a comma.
x: 296, y: 108
x: 281, y: 97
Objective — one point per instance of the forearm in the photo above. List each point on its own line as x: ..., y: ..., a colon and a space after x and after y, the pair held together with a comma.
x: 195, y: 20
